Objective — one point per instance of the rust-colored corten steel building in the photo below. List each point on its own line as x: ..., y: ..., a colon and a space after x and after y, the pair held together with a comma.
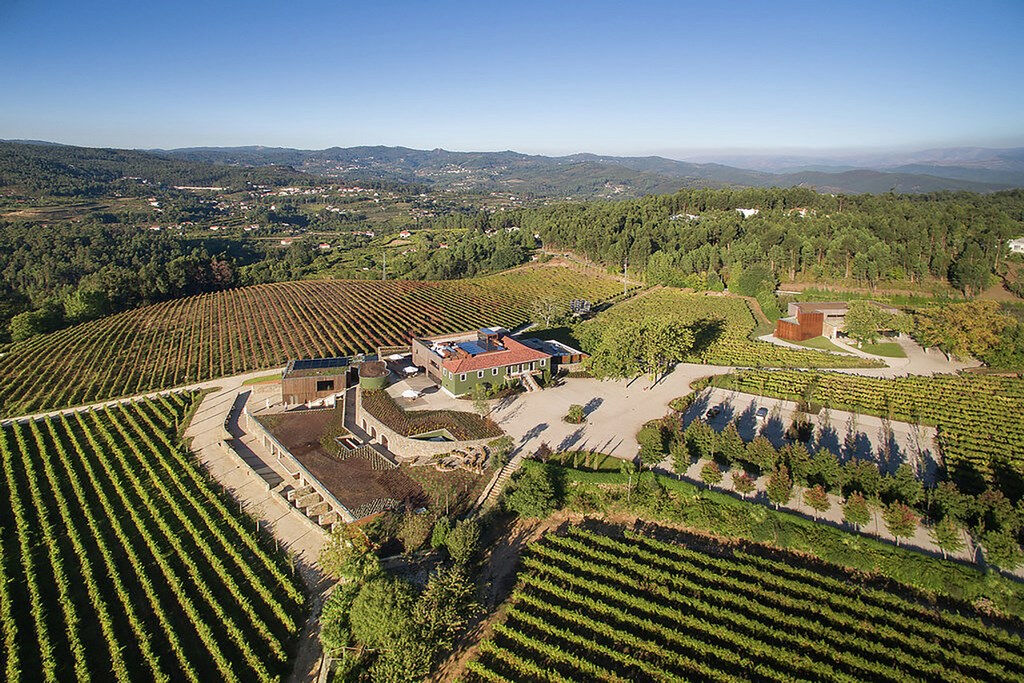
x: 802, y: 326
x: 305, y: 381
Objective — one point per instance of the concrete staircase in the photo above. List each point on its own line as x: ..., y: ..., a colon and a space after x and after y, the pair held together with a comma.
x: 310, y: 503
x: 504, y: 474
x: 530, y: 383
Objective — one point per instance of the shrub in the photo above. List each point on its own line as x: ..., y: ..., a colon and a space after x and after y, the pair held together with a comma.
x: 575, y: 415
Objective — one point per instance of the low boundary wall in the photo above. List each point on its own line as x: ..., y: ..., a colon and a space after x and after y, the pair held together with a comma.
x: 292, y: 465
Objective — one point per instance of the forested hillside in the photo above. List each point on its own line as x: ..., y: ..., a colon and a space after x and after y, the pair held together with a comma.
x: 62, y: 170
x: 683, y: 238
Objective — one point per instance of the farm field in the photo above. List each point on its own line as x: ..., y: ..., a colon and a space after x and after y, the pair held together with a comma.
x: 119, y: 560
x: 978, y: 418
x: 225, y: 333
x: 610, y: 606
x: 728, y: 345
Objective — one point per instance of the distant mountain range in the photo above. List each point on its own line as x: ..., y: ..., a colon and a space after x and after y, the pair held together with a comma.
x: 598, y: 175
x: 576, y: 175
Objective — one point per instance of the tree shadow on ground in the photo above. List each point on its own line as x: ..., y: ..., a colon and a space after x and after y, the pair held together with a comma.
x: 705, y: 333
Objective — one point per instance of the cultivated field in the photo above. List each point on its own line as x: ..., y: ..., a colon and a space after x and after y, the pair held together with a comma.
x: 591, y: 606
x: 198, y: 338
x: 119, y: 560
x: 978, y: 418
x: 727, y: 343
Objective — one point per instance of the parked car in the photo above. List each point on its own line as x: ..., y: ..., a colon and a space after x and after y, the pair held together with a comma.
x: 761, y: 415
x: 713, y: 412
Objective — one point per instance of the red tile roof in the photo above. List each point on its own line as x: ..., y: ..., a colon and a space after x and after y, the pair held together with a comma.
x: 513, y: 354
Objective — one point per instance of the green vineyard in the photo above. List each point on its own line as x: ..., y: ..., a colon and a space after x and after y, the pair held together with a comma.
x: 978, y: 418
x: 593, y: 606
x: 215, y: 335
x: 119, y: 560
x: 728, y: 345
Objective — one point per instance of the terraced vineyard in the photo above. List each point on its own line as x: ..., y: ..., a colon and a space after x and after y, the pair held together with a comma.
x: 730, y: 345
x: 119, y: 559
x: 978, y: 418
x: 591, y: 606
x: 190, y: 340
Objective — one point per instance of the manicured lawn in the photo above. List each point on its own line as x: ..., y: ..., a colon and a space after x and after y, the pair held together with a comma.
x: 265, y: 379
x: 820, y: 343
x: 887, y: 349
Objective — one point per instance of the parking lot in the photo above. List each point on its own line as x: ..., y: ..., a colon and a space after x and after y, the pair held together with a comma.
x: 847, y: 435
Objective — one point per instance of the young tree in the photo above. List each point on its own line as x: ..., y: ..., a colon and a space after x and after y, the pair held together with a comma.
x: 900, y: 520
x: 533, y: 494
x: 817, y: 498
x: 1001, y: 549
x: 780, y: 486
x: 442, y: 527
x: 948, y: 536
x: 864, y: 320
x: 575, y: 415
x: 701, y: 440
x: 856, y: 510
x: 730, y: 445
x: 946, y: 500
x: 743, y: 483
x: 444, y: 606
x: 348, y: 555
x: 710, y: 474
x: 651, y: 438
x: 414, y: 531
x: 463, y: 542
x: 549, y: 311
x: 381, y: 612
x: 762, y: 453
x: 904, y: 486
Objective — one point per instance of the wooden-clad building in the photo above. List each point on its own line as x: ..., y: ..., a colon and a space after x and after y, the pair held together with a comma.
x: 309, y: 380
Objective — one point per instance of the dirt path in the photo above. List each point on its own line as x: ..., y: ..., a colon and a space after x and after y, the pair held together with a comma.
x: 496, y: 582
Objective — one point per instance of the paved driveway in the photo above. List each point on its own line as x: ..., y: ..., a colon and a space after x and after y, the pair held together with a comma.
x: 615, y: 411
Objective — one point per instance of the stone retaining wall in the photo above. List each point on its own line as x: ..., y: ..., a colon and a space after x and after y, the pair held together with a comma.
x: 403, y: 447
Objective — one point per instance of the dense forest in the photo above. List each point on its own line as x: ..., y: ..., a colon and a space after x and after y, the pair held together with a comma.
x: 868, y: 240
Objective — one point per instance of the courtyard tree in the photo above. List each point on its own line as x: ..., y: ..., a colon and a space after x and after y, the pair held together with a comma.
x: 710, y: 474
x: 856, y: 510
x: 900, y: 520
x: 743, y: 483
x: 817, y: 499
x: 780, y: 486
x: 948, y: 535
x: 865, y: 320
x: 651, y: 438
x: 575, y: 415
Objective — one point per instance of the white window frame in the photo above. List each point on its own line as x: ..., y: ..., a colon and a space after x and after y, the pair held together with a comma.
x: 462, y: 377
x: 494, y: 372
x: 479, y: 374
x: 543, y: 361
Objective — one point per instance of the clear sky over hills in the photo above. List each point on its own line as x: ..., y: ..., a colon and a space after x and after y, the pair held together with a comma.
x: 618, y: 78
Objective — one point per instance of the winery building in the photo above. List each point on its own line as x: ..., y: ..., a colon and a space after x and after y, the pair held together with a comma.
x: 489, y: 356
x: 310, y: 380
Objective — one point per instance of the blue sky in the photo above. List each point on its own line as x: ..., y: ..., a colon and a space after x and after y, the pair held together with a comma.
x: 545, y: 77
